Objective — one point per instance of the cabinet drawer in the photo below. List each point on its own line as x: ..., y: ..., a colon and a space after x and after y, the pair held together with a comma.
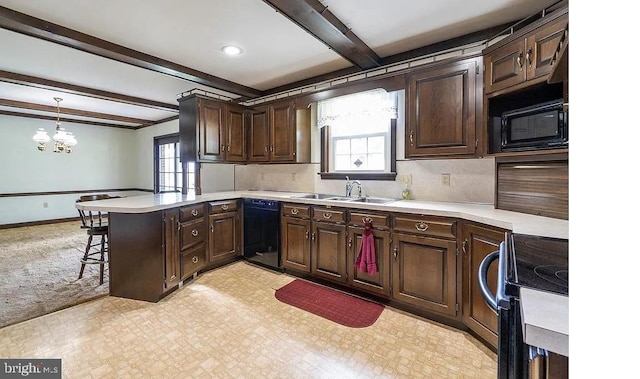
x: 192, y: 261
x: 295, y: 210
x: 329, y: 214
x: 378, y: 221
x: 192, y: 233
x: 191, y: 213
x: 223, y: 206
x: 425, y: 226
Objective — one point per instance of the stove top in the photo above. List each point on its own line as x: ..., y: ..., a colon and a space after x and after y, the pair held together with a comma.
x: 540, y: 263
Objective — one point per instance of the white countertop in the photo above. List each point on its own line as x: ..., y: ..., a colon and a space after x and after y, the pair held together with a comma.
x: 545, y: 320
x: 482, y: 213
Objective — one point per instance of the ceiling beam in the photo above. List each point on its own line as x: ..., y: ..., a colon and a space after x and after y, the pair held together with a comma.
x: 73, y: 112
x: 35, y: 27
x: 318, y: 21
x: 52, y: 85
x: 69, y: 120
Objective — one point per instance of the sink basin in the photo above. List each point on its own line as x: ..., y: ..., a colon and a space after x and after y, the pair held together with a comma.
x: 374, y: 200
x: 341, y: 198
x: 314, y: 196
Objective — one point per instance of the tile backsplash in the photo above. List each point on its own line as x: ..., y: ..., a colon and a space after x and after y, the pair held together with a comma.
x: 470, y: 180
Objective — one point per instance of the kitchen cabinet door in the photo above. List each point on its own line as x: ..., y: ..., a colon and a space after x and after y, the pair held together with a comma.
x: 377, y: 284
x: 296, y: 244
x: 236, y: 134
x: 505, y: 67
x: 478, y: 242
x: 282, y: 123
x: 211, y: 131
x: 424, y: 272
x: 171, y: 246
x: 441, y: 110
x: 223, y: 237
x: 541, y: 46
x: 328, y: 251
x: 259, y: 136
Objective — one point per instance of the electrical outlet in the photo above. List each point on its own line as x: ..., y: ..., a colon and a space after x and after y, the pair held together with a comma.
x: 446, y: 179
x: 262, y: 176
x: 406, y: 178
x: 293, y: 177
x: 45, y: 205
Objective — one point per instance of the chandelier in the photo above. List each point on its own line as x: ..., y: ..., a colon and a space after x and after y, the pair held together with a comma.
x: 63, y: 140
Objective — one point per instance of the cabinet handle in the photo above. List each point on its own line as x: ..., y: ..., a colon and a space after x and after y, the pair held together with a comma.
x: 194, y: 259
x: 350, y: 243
x: 326, y: 215
x: 178, y: 225
x: 266, y: 149
x: 366, y: 219
x: 411, y: 137
x: 228, y: 148
x: 271, y: 148
x: 222, y: 148
x: 194, y: 212
x: 520, y: 60
x: 211, y: 228
x: 294, y: 211
x: 464, y: 246
x: 530, y: 56
x: 313, y: 236
x: 194, y: 233
x: 421, y: 226
x: 225, y: 207
x: 395, y: 252
x: 306, y: 234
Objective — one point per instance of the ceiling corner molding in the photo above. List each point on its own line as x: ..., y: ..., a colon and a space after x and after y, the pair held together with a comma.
x: 318, y: 21
x: 35, y: 27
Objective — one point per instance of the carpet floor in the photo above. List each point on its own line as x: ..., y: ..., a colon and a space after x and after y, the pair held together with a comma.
x: 39, y: 267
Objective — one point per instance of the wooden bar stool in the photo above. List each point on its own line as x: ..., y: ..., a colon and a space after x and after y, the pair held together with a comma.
x: 96, y: 225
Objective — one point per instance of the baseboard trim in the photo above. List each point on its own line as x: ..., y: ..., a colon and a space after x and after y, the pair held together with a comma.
x: 40, y: 222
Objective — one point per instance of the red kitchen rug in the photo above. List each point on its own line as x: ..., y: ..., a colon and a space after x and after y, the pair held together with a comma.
x: 333, y: 305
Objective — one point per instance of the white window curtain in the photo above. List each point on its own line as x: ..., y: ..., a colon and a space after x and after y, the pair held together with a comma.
x: 361, y: 113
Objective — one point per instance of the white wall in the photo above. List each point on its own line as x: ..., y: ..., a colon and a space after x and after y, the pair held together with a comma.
x: 144, y: 151
x: 101, y: 160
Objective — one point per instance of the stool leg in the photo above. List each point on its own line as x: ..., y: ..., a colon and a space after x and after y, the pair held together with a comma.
x: 86, y: 255
x: 102, y: 240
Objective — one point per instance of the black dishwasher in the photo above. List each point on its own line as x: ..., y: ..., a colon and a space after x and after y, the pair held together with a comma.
x: 262, y: 232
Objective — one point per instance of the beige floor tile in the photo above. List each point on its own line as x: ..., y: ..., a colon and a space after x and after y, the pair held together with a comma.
x: 227, y: 323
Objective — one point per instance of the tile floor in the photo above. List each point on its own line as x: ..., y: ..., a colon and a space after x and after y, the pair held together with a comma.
x: 227, y: 323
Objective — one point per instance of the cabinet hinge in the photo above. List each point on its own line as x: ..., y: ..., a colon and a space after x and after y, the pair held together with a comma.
x: 457, y: 307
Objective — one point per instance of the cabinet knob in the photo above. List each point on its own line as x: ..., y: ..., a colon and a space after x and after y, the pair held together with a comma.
x: 294, y: 211
x: 225, y: 207
x: 366, y: 219
x: 422, y: 226
x: 194, y: 259
x: 194, y: 232
x: 326, y: 215
x: 194, y: 212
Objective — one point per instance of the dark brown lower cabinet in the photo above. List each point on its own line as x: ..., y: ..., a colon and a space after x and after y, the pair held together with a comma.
x: 328, y: 251
x: 424, y: 272
x: 296, y: 246
x: 377, y: 284
x: 223, y: 237
x: 171, y: 240
x: 478, y: 241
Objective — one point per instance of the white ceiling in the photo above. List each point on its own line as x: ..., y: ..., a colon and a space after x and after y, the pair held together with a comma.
x: 191, y: 33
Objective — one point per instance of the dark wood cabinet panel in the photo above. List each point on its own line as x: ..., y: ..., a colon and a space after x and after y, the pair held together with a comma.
x: 223, y: 237
x: 192, y: 233
x: 171, y: 245
x: 296, y: 244
x: 478, y: 241
x: 283, y: 135
x: 542, y: 45
x: 259, y: 139
x: 192, y: 260
x: 377, y: 284
x: 236, y: 134
x: 424, y: 272
x: 441, y: 110
x: 505, y: 67
x: 211, y: 131
x: 328, y: 251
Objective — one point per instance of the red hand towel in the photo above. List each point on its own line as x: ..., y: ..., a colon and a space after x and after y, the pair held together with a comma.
x: 366, y: 260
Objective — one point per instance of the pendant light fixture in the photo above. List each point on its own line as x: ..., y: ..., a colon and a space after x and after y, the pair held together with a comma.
x: 63, y: 140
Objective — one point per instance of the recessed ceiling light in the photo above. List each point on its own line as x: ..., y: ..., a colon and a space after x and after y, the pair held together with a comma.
x: 232, y: 50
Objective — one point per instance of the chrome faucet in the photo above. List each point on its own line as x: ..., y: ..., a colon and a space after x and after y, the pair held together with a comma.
x: 350, y: 187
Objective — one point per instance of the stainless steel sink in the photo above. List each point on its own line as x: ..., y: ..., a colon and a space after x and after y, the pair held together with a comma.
x: 374, y: 200
x: 314, y: 196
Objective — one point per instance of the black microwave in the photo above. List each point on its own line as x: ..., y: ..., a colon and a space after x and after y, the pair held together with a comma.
x: 542, y: 126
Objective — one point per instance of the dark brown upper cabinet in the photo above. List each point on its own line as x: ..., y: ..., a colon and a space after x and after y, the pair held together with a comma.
x: 443, y: 105
x: 212, y: 130
x: 524, y: 58
x: 279, y: 133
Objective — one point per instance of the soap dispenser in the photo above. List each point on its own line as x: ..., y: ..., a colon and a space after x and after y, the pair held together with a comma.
x: 406, y: 194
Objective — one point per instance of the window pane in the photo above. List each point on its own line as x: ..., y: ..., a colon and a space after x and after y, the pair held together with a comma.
x: 376, y: 161
x: 358, y: 145
x: 343, y: 162
x: 376, y: 144
x: 343, y: 146
x: 359, y: 162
